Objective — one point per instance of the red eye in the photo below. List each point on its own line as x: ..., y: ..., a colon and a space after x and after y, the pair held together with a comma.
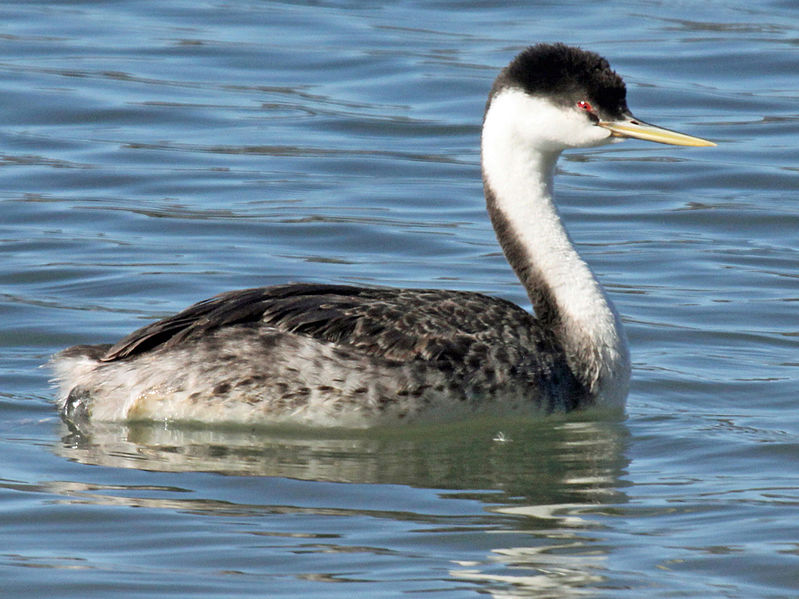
x: 583, y: 105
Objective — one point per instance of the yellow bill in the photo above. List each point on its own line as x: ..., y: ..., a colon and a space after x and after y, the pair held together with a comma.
x: 634, y: 128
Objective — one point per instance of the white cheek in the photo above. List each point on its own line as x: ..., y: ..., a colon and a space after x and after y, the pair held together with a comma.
x: 581, y: 133
x: 540, y: 124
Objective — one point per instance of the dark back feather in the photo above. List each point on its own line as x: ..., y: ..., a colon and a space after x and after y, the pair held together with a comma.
x: 397, y: 324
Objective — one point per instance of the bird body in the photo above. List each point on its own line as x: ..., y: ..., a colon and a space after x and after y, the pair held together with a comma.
x: 337, y: 355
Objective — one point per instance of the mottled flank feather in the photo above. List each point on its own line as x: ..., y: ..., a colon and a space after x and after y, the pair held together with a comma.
x: 440, y: 346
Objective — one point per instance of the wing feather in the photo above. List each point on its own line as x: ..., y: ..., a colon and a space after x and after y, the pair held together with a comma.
x: 397, y: 324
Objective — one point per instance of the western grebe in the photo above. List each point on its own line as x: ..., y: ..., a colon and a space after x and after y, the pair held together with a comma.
x: 335, y: 355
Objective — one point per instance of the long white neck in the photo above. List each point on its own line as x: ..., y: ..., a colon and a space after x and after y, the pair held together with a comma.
x: 518, y: 172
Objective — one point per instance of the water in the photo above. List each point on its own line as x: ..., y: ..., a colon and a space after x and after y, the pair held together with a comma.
x: 153, y: 154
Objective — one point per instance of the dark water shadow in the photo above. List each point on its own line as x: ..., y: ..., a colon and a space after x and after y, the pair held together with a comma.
x: 552, y: 458
x: 534, y: 499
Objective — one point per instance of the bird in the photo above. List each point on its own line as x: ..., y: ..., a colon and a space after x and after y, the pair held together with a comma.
x: 336, y: 355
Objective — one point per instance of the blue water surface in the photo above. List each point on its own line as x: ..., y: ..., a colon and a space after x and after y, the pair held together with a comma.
x: 155, y: 153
